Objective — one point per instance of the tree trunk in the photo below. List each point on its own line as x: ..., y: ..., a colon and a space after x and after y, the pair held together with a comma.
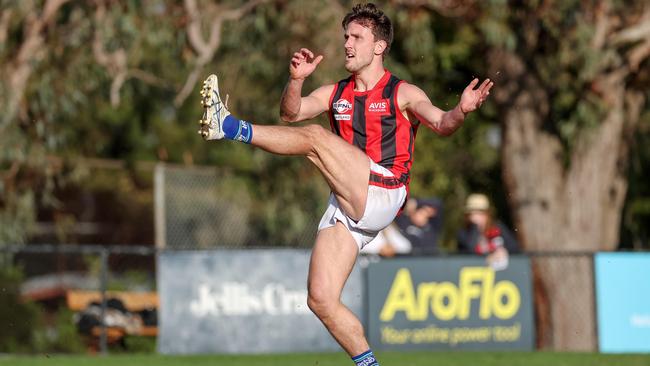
x: 564, y: 306
x: 560, y: 206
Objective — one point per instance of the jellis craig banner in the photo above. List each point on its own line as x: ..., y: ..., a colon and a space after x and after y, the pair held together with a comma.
x: 241, y: 302
x: 450, y: 303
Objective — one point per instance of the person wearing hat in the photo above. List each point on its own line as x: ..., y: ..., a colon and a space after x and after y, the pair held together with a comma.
x: 482, y: 234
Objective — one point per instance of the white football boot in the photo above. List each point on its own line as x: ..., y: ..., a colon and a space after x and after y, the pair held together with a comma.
x: 214, y: 110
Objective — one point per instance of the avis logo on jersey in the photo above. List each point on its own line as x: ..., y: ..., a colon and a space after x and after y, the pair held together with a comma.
x: 343, y: 108
x: 378, y: 107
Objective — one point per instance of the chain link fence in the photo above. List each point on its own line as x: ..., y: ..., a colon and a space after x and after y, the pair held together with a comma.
x: 55, y: 297
x: 195, y: 209
x: 202, y: 208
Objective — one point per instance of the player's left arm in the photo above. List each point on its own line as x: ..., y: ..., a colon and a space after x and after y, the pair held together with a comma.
x: 413, y: 100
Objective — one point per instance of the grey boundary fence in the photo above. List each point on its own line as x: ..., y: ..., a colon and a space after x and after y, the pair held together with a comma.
x: 563, y: 282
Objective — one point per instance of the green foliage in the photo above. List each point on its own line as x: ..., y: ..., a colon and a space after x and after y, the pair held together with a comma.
x: 61, y: 337
x: 135, y: 345
x: 67, y: 109
x: 17, y: 215
x: 636, y: 214
x: 438, y: 55
x: 557, y: 43
x: 24, y: 329
x: 19, y: 319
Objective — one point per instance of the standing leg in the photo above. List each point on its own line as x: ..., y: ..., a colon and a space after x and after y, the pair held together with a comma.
x: 332, y: 259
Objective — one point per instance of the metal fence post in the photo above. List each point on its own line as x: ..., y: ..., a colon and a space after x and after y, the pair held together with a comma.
x: 159, y: 206
x: 103, y: 339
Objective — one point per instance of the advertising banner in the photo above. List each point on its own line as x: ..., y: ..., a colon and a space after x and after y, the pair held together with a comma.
x: 623, y: 301
x: 241, y: 301
x: 450, y: 303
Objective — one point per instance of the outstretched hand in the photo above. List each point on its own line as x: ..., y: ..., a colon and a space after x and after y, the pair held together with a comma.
x: 472, y: 98
x: 303, y: 63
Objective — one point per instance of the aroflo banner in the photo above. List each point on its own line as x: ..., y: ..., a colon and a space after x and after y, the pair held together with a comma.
x: 450, y: 303
x: 241, y: 301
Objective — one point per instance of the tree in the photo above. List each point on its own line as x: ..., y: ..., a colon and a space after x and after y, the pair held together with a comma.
x: 571, y: 87
x: 95, y: 79
x: 571, y: 94
x: 23, y: 31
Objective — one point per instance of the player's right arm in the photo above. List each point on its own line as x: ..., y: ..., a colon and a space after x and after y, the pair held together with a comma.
x: 294, y: 107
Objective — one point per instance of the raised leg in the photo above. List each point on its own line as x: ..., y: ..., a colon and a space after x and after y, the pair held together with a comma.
x: 345, y: 167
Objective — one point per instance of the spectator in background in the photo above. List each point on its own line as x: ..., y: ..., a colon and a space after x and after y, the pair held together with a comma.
x: 415, y: 232
x: 388, y: 243
x: 421, y: 224
x: 482, y: 234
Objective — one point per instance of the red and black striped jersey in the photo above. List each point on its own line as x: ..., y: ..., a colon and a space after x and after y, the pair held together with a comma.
x: 372, y: 121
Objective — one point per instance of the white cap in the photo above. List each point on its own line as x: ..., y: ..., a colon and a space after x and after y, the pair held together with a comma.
x: 477, y: 202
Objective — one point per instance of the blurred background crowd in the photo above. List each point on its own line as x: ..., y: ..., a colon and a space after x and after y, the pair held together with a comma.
x: 418, y: 230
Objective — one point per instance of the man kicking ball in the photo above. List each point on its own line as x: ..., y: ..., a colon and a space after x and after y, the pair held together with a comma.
x: 365, y: 158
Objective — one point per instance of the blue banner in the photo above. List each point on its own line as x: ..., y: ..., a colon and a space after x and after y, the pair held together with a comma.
x: 623, y: 301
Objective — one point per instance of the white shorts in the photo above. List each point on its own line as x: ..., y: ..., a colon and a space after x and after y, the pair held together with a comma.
x: 382, y: 206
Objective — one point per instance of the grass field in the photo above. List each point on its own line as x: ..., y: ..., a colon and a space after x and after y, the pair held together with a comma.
x: 340, y: 359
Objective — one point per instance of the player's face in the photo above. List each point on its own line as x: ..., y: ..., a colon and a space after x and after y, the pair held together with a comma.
x: 359, y: 47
